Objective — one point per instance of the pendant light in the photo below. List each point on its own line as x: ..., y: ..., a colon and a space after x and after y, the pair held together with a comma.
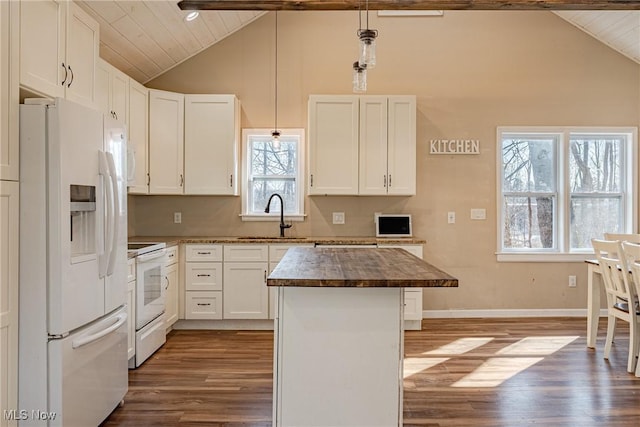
x: 367, y: 42
x: 275, y: 134
x: 359, y: 77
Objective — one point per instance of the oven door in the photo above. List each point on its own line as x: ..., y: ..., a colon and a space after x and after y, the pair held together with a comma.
x: 150, y: 287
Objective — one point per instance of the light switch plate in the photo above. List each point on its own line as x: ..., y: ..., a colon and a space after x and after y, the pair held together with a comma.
x: 451, y: 218
x: 338, y: 217
x: 177, y: 217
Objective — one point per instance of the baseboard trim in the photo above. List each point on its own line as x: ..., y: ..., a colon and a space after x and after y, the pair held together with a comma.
x: 561, y: 312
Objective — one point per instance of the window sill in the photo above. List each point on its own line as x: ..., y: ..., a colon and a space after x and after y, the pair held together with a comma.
x: 543, y: 257
x: 272, y: 217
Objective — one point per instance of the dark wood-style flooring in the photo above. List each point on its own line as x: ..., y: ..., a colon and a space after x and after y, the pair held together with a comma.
x: 458, y: 372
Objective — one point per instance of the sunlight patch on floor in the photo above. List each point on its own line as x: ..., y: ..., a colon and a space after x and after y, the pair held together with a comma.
x: 460, y: 346
x: 542, y: 346
x: 413, y: 365
x: 496, y: 370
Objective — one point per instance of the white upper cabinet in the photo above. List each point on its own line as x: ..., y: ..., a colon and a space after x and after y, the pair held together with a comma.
x: 387, y: 145
x: 112, y: 91
x: 333, y: 145
x: 9, y: 99
x: 166, y: 142
x: 362, y: 145
x: 138, y: 148
x: 58, y: 50
x: 211, y: 144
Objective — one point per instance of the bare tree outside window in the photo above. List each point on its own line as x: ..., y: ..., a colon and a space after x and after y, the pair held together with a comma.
x: 561, y: 187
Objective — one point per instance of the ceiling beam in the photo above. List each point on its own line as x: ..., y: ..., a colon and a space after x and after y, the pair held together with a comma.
x: 410, y: 4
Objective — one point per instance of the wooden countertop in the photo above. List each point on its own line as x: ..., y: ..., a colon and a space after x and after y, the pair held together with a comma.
x: 356, y: 267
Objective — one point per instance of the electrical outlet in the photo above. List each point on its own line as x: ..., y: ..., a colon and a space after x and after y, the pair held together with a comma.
x: 451, y: 217
x: 478, y: 214
x: 338, y: 217
x: 177, y: 217
x: 572, y: 281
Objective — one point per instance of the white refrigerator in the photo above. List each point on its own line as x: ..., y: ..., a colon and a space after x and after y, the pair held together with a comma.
x: 73, y: 259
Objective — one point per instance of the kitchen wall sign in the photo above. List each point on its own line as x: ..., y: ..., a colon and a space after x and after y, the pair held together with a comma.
x: 454, y: 146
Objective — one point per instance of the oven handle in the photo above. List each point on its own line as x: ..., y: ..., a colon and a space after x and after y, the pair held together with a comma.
x: 153, y: 255
x: 120, y: 320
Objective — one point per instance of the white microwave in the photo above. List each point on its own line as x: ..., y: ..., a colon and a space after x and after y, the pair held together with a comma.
x: 393, y: 225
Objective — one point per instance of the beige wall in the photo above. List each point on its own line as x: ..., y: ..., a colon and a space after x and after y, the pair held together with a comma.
x: 471, y: 72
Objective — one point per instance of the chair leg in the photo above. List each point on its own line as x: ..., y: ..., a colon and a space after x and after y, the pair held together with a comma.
x: 611, y: 331
x: 633, y: 345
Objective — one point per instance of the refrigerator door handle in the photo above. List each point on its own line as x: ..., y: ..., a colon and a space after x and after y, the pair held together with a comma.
x: 120, y: 319
x: 104, y: 255
x: 115, y: 227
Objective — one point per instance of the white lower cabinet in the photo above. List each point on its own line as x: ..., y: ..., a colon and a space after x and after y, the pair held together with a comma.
x: 171, y: 291
x: 131, y: 308
x: 203, y: 282
x: 245, y: 294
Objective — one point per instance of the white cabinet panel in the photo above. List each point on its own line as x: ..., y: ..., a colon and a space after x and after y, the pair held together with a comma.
x: 401, y: 163
x: 203, y: 253
x: 203, y: 276
x: 171, y: 296
x: 138, y: 147
x: 204, y: 305
x: 43, y: 65
x: 166, y: 142
x: 9, y: 211
x: 333, y: 145
x: 373, y: 145
x: 58, y: 50
x: 245, y: 294
x: 211, y: 144
x: 246, y: 253
x: 9, y: 98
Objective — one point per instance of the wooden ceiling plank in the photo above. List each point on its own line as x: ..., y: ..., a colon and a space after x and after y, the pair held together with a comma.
x: 410, y: 5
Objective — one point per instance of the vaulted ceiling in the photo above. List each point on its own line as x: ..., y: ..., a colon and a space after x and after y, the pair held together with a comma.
x: 146, y: 38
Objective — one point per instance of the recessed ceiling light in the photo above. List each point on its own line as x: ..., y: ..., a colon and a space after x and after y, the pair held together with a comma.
x: 191, y: 16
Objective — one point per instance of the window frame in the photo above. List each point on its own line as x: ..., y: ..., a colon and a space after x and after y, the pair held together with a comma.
x: 561, y: 252
x: 245, y: 187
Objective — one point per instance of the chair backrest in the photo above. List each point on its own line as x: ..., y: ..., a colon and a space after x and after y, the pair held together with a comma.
x: 623, y: 237
x: 632, y: 255
x: 614, y: 270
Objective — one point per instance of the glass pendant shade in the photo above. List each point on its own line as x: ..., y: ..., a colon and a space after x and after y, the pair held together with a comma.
x: 367, y: 48
x: 359, y: 78
x: 275, y: 139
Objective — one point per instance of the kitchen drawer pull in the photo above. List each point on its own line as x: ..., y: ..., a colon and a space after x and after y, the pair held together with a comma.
x: 311, y: 180
x: 204, y: 304
x: 203, y: 253
x: 231, y: 180
x: 389, y: 180
x: 385, y: 181
x: 203, y: 275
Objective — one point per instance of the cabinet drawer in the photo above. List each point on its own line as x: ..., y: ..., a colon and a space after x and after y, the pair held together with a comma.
x: 203, y: 305
x: 203, y: 253
x: 248, y: 253
x: 172, y: 255
x: 203, y: 276
x: 131, y: 269
x: 277, y: 251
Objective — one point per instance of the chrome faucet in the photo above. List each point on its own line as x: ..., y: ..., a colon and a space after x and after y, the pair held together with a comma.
x: 282, y: 224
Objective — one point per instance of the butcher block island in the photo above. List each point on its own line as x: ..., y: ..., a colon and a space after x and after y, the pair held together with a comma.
x: 339, y: 335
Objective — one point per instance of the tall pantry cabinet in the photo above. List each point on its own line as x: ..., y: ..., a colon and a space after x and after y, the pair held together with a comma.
x: 59, y: 45
x: 9, y: 209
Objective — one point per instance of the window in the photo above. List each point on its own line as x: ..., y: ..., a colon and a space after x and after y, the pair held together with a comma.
x: 560, y: 187
x: 269, y: 169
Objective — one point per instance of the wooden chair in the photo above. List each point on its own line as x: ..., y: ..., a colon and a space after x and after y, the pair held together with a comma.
x: 620, y: 289
x: 632, y: 255
x: 623, y: 237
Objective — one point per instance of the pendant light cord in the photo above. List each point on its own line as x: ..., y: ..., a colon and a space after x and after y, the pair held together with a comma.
x: 276, y: 74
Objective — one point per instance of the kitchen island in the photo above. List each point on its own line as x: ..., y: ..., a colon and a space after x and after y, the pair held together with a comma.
x: 338, y: 334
